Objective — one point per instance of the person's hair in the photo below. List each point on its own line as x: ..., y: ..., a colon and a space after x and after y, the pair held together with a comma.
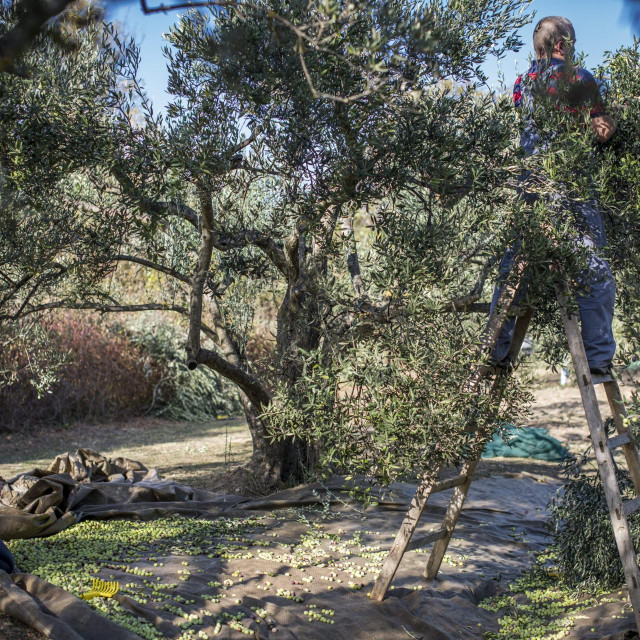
x: 548, y: 32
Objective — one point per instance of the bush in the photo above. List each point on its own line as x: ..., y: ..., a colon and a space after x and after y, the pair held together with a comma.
x: 91, y: 372
x: 580, y: 525
x: 86, y: 369
x: 181, y: 394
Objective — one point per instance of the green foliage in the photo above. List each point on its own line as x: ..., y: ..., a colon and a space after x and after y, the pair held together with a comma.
x: 580, y: 524
x: 180, y: 394
x: 395, y: 388
x: 619, y: 186
x: 538, y: 606
x: 41, y: 369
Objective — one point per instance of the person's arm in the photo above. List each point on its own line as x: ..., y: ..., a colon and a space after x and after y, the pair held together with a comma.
x: 586, y: 90
x: 604, y: 126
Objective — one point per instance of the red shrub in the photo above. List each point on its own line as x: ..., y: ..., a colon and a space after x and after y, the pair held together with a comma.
x: 104, y: 376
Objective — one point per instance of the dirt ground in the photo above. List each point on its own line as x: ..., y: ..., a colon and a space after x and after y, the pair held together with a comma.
x: 194, y: 453
x: 201, y: 454
x: 559, y: 410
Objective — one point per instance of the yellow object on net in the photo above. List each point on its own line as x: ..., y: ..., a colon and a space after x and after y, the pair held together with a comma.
x: 102, y: 589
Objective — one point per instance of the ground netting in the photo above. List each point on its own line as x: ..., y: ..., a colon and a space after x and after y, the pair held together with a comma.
x: 295, y: 565
x: 532, y: 442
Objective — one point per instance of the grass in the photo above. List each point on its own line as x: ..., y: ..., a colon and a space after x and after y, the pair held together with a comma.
x: 194, y: 453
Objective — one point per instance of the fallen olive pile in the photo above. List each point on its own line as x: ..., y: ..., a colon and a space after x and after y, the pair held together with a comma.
x: 154, y: 563
x: 73, y: 557
x: 540, y: 607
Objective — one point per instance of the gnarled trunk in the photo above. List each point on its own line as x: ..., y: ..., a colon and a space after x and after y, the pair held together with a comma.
x: 281, y: 462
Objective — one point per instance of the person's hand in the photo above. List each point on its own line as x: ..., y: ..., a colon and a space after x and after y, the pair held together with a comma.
x: 604, y: 127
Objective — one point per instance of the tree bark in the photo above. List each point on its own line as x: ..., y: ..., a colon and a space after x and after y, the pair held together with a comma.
x: 276, y: 463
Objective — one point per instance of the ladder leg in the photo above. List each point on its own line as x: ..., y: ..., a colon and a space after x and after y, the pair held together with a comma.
x: 619, y: 412
x: 449, y: 522
x: 603, y: 457
x: 399, y: 546
x: 460, y: 493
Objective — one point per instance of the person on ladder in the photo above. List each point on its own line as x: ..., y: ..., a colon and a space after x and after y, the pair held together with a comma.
x: 553, y: 40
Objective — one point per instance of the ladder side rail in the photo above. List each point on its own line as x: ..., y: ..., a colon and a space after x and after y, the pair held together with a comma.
x: 602, y: 454
x: 459, y: 496
x: 419, y: 501
x: 619, y: 413
x: 399, y: 546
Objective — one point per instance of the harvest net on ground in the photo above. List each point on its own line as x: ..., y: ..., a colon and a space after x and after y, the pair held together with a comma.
x: 295, y: 565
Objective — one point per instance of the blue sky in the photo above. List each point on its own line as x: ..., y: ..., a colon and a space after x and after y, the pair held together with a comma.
x: 601, y: 25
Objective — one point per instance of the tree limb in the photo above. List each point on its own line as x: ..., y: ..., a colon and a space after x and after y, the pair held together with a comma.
x: 152, y: 265
x: 219, y: 240
x: 245, y: 237
x: 199, y: 279
x: 107, y: 308
x: 251, y: 385
x: 32, y: 16
x: 353, y: 262
x: 154, y: 207
x: 247, y: 382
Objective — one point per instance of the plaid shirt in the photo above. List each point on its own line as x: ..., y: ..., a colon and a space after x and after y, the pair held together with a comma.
x: 574, y: 92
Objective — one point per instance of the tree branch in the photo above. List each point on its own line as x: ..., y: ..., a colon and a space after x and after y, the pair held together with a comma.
x: 107, y: 308
x: 464, y: 303
x: 353, y: 262
x: 152, y: 265
x: 154, y: 207
x: 245, y: 237
x: 199, y: 279
x: 251, y: 386
x: 15, y: 287
x: 32, y: 16
x: 221, y: 241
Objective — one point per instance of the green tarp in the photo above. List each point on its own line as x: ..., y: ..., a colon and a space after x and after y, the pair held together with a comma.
x: 531, y: 442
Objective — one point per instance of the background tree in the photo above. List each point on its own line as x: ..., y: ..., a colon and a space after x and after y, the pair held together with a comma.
x: 50, y: 135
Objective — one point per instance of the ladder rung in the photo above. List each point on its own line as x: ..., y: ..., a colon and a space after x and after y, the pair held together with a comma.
x: 631, y: 506
x: 448, y: 484
x: 601, y: 379
x: 432, y: 536
x: 619, y: 440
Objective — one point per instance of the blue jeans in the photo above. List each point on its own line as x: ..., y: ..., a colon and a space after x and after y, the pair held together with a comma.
x: 6, y: 559
x: 596, y: 304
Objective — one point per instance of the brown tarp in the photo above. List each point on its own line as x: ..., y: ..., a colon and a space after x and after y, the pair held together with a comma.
x: 53, y: 611
x: 486, y: 556
x: 86, y: 484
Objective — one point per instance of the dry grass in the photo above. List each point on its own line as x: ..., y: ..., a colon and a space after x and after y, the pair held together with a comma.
x: 194, y: 453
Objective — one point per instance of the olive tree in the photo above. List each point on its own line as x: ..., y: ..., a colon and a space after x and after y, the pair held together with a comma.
x: 292, y: 123
x: 274, y: 144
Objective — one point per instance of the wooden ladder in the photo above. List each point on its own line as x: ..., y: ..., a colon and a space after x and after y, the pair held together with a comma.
x: 461, y: 483
x: 603, y: 447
